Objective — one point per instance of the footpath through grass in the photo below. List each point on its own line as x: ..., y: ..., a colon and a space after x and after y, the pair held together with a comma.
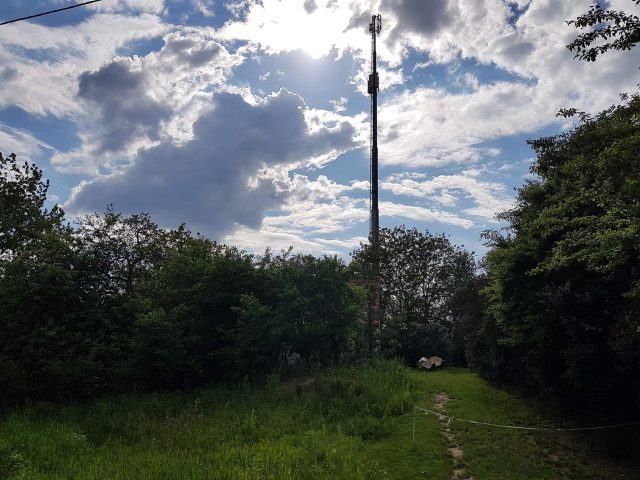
x: 492, y: 453
x: 352, y: 423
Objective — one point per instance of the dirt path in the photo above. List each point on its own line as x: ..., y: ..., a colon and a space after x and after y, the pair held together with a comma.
x: 457, y: 455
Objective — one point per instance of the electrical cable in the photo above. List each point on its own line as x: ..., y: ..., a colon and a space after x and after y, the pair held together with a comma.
x: 47, y: 13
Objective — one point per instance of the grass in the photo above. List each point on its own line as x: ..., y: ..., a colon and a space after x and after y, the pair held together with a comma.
x: 351, y: 423
x: 217, y: 433
x: 492, y: 453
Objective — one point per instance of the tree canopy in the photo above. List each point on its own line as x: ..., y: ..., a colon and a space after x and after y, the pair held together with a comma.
x: 23, y: 218
x: 563, y: 314
x: 118, y: 303
x: 421, y: 275
x: 609, y: 30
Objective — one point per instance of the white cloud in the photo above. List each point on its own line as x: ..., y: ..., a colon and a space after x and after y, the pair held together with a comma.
x: 22, y: 143
x: 124, y: 6
x: 48, y: 85
x: 427, y: 126
x: 422, y: 214
x: 489, y: 197
x: 146, y: 127
x: 273, y: 24
x: 339, y: 105
x: 204, y: 7
x: 131, y: 103
x: 209, y: 180
x: 317, y: 218
x: 257, y: 240
x: 125, y: 109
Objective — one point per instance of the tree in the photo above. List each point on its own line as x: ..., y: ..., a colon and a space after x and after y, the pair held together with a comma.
x: 316, y: 310
x: 120, y: 250
x: 185, y: 315
x: 256, y: 338
x: 563, y: 293
x: 419, y: 275
x: 49, y: 324
x: 618, y: 30
x: 23, y: 217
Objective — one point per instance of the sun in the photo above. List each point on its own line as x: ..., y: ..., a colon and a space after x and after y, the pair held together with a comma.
x: 284, y: 25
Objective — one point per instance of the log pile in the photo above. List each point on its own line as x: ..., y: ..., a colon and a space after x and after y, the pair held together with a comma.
x: 429, y: 363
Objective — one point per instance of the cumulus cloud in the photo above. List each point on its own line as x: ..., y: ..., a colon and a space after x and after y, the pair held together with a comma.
x: 489, y: 197
x: 317, y: 27
x: 340, y: 105
x: 7, y: 74
x: 209, y: 179
x: 189, y: 49
x: 123, y: 107
x: 131, y: 103
x: 128, y: 6
x: 439, y: 127
x: 320, y: 218
x: 204, y: 7
x: 45, y: 62
x: 310, y: 6
x: 425, y: 18
x: 422, y: 214
x: 429, y: 127
x: 167, y: 150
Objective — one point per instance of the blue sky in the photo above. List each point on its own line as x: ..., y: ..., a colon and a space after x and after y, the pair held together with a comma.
x: 248, y: 120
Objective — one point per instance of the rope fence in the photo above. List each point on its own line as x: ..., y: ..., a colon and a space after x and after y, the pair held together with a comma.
x: 513, y: 427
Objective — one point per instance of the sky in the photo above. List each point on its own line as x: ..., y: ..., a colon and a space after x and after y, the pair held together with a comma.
x: 248, y: 120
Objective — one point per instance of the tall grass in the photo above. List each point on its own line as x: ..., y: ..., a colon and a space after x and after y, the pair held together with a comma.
x: 250, y: 432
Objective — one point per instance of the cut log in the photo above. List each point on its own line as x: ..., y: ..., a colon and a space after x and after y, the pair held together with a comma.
x: 431, y: 362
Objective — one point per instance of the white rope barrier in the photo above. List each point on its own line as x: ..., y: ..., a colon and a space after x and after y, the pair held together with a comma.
x: 516, y: 427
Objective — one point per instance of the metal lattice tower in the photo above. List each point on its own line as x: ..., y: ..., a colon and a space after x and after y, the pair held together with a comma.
x: 373, y: 86
x: 374, y: 314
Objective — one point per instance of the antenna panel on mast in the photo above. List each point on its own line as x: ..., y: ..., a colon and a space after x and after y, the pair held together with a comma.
x: 373, y: 83
x: 376, y: 24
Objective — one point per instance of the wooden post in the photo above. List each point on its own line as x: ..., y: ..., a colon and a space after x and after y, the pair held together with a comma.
x: 414, y: 428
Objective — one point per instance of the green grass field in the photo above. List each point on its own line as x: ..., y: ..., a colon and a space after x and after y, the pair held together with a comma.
x: 352, y: 423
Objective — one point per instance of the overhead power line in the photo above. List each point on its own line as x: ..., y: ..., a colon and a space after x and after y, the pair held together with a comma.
x: 50, y: 11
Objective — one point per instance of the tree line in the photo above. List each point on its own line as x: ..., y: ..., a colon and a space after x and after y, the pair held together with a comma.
x: 562, y: 314
x: 116, y: 303
x: 560, y: 299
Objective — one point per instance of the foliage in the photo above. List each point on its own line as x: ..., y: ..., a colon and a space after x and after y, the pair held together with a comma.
x: 117, y: 303
x: 316, y: 308
x: 190, y: 301
x: 42, y: 302
x: 267, y: 432
x: 468, y: 306
x: 23, y: 218
x: 618, y: 30
x: 563, y: 294
x: 222, y: 432
x: 119, y: 251
x: 422, y: 277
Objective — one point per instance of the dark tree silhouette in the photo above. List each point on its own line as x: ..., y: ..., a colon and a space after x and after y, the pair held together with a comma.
x: 618, y: 30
